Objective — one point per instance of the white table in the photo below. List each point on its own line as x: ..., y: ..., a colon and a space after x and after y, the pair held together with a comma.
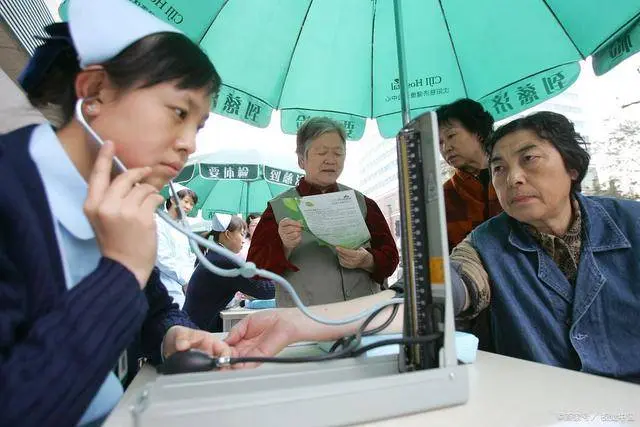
x: 503, y: 392
x: 232, y: 316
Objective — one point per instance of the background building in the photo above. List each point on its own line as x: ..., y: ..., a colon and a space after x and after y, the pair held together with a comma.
x: 26, y: 20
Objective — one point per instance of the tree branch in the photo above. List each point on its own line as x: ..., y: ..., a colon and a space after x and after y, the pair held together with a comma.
x: 631, y: 103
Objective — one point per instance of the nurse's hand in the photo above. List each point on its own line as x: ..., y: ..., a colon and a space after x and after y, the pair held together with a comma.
x: 121, y: 213
x: 181, y: 338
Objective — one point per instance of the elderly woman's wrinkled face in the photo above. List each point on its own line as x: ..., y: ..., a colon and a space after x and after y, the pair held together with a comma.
x: 459, y: 147
x: 324, y: 160
x: 530, y: 178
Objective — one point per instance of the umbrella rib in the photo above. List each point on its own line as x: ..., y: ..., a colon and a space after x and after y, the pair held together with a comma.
x: 453, y: 46
x: 553, y: 13
x: 213, y: 20
x: 325, y: 111
x: 373, y: 30
x: 608, y: 39
x: 293, y: 51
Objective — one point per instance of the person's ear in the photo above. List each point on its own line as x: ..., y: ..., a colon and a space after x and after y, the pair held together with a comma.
x: 301, y: 161
x: 91, y: 84
x: 573, y: 174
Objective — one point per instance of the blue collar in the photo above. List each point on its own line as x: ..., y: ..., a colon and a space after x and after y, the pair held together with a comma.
x: 600, y: 231
x: 66, y: 189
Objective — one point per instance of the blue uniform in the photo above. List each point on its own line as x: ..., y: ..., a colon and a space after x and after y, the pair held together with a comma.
x: 66, y: 314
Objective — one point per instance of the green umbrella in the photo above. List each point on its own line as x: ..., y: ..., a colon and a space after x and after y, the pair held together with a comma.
x: 236, y: 182
x: 339, y: 58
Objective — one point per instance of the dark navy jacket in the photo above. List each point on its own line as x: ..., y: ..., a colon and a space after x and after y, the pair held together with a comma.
x: 57, y: 345
x: 208, y: 294
x: 538, y: 315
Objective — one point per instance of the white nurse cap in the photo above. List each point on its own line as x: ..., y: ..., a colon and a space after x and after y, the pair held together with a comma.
x: 221, y: 221
x: 101, y: 29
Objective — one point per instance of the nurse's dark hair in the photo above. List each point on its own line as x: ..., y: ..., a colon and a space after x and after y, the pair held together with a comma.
x: 556, y: 129
x: 154, y: 59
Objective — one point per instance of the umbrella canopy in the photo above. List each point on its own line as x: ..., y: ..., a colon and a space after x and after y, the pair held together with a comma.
x: 236, y: 181
x: 339, y: 58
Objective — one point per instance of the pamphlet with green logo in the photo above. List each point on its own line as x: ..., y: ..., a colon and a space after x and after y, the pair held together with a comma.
x: 333, y: 218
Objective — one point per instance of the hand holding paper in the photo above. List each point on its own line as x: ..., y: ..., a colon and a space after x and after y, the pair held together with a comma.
x: 355, y: 258
x: 334, y: 218
x: 290, y: 232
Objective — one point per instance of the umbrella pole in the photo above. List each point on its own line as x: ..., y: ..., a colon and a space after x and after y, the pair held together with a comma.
x: 246, y: 203
x: 418, y: 298
x: 402, y: 63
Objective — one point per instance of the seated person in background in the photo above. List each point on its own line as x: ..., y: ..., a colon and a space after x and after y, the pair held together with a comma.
x: 175, y: 259
x: 469, y: 196
x: 559, y: 269
x: 322, y: 274
x: 252, y: 222
x: 208, y: 293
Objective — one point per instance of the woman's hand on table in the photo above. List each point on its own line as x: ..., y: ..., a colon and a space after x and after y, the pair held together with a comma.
x: 263, y: 334
x: 267, y: 333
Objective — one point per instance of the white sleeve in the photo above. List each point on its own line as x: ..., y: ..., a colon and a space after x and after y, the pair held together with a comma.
x: 167, y: 261
x: 187, y: 261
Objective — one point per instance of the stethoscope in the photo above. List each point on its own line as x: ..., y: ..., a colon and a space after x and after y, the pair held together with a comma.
x: 245, y: 269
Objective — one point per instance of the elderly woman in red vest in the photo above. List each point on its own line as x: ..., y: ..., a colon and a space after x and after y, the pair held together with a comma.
x: 322, y: 274
x: 469, y: 196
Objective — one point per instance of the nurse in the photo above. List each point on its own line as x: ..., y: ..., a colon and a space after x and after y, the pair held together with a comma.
x: 78, y: 241
x: 175, y: 259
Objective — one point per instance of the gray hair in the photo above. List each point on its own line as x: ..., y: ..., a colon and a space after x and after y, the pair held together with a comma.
x: 313, y: 128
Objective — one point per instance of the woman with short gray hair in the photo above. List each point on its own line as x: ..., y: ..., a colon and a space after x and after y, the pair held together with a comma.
x: 322, y: 274
x: 314, y: 128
